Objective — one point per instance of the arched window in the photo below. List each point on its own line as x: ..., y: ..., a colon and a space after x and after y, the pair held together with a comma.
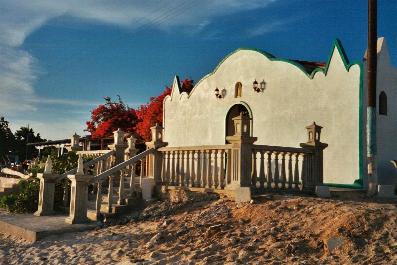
x: 238, y: 90
x: 382, y: 103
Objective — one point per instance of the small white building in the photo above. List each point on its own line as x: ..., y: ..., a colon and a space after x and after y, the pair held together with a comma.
x: 282, y: 97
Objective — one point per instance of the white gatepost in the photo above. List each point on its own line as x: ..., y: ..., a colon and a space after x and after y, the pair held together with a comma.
x: 79, y: 195
x: 47, y: 190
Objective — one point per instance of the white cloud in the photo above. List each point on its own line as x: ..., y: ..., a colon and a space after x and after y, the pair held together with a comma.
x: 269, y: 26
x: 19, y: 18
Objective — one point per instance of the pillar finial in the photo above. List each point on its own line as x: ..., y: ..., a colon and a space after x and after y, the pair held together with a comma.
x: 80, y: 166
x: 48, y: 166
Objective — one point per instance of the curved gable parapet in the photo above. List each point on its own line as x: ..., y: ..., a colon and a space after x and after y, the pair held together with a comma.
x: 337, y: 54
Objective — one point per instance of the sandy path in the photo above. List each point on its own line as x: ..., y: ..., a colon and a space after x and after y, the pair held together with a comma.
x: 279, y: 230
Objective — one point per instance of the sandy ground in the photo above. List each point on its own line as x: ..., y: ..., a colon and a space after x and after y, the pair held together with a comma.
x: 272, y: 230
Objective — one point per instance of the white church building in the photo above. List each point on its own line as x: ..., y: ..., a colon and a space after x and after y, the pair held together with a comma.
x: 282, y: 97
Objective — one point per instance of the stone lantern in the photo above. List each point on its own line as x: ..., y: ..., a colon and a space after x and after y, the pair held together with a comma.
x: 242, y: 130
x: 314, y: 134
x: 316, y: 148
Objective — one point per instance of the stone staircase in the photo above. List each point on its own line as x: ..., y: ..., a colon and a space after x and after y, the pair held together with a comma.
x: 132, y: 197
x: 8, y: 186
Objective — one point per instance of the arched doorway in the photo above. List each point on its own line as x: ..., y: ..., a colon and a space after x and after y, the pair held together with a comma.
x: 233, y: 112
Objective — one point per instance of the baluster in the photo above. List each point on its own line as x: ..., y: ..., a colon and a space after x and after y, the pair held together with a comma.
x: 222, y: 170
x: 193, y: 169
x: 216, y: 175
x: 172, y: 160
x: 296, y: 172
x: 95, y: 170
x: 204, y: 170
x: 262, y: 170
x: 209, y: 173
x: 228, y: 177
x: 305, y: 171
x: 132, y: 178
x: 121, y: 200
x: 187, y: 170
x: 98, y: 201
x: 253, y: 172
x: 163, y: 168
x: 177, y: 171
x: 142, y: 168
x: 283, y: 173
x: 269, y: 170
x: 290, y: 173
x: 166, y: 179
x: 199, y: 165
x: 276, y: 171
x: 110, y: 194
x: 182, y: 172
x: 100, y: 166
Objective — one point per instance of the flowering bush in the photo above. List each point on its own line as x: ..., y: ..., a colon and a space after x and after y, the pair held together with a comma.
x: 107, y: 118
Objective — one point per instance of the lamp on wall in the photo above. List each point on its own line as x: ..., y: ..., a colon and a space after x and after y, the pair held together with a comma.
x: 255, y: 86
x: 263, y: 85
x: 220, y: 93
x: 259, y: 87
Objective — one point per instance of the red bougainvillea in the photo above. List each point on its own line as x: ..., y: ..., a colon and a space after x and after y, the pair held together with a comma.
x: 107, y: 118
x: 149, y: 114
x: 110, y: 116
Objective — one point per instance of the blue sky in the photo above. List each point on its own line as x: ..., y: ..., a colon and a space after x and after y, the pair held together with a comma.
x: 58, y: 59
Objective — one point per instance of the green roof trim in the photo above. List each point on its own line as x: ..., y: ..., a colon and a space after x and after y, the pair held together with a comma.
x: 337, y: 44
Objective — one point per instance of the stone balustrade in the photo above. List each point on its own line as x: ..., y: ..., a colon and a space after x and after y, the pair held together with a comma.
x: 200, y: 166
x: 239, y: 166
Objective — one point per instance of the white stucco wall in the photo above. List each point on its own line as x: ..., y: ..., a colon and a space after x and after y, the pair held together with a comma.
x: 386, y: 125
x: 292, y: 100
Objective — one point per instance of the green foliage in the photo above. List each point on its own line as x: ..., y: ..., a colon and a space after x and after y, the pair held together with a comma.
x: 25, y: 200
x: 36, y: 169
x: 64, y: 163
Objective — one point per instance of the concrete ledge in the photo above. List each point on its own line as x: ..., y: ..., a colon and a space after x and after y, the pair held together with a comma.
x: 32, y: 228
x: 323, y: 192
x: 242, y: 194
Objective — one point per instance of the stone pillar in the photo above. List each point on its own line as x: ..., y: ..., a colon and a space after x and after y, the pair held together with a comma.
x: 313, y: 169
x: 79, y: 195
x: 241, y: 158
x: 118, y: 146
x: 131, y: 150
x: 154, y: 160
x: 75, y: 143
x: 47, y: 190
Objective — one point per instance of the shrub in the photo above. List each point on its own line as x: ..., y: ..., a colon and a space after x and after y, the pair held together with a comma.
x: 25, y: 200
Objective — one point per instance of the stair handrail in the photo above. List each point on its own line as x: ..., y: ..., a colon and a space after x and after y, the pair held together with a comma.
x: 122, y: 165
x: 87, y: 164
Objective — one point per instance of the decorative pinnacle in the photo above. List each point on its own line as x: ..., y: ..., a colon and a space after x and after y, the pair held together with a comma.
x: 80, y: 166
x: 48, y: 166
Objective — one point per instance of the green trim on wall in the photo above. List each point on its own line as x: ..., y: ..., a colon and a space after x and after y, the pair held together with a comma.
x: 358, y: 183
x: 337, y: 44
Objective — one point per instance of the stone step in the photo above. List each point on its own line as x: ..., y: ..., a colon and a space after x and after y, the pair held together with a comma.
x: 7, y: 190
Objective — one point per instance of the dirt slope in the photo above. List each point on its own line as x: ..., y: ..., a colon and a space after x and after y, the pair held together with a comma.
x: 272, y: 230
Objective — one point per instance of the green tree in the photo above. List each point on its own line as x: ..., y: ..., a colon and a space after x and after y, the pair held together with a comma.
x: 23, y: 136
x: 7, y: 140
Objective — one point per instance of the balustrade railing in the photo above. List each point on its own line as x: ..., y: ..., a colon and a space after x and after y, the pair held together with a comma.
x: 199, y: 166
x: 276, y: 167
x: 102, y: 160
x: 118, y: 183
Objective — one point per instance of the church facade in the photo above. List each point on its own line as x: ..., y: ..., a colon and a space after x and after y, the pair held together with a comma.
x: 282, y: 97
